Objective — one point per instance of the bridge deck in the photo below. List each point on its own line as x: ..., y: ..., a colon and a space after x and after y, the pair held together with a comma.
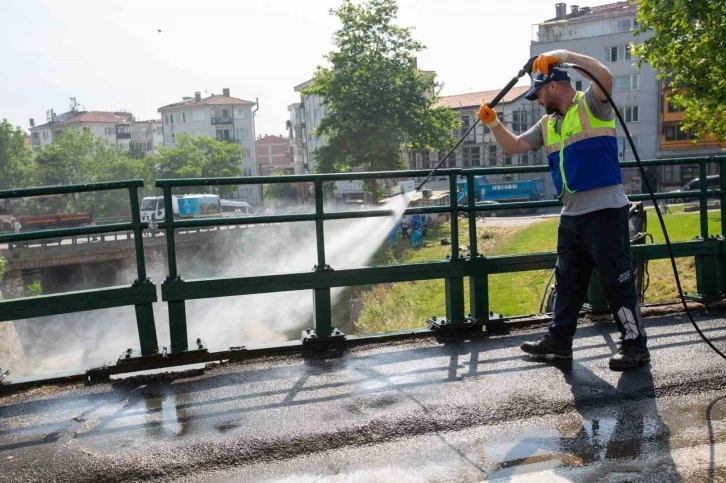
x: 417, y: 410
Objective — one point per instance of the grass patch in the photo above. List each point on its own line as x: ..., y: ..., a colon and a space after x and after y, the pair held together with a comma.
x: 407, y: 305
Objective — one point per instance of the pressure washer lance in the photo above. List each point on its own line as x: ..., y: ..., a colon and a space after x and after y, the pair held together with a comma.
x: 566, y: 65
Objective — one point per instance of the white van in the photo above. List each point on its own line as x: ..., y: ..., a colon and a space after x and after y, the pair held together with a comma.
x: 230, y: 207
x: 192, y: 206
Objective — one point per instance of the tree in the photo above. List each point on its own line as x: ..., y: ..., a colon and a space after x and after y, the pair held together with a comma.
x: 77, y: 156
x: 16, y: 157
x: 280, y: 193
x: 136, y: 150
x: 688, y: 46
x: 198, y: 157
x: 376, y: 99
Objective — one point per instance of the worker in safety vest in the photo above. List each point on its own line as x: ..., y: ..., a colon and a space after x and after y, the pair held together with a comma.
x: 578, y: 135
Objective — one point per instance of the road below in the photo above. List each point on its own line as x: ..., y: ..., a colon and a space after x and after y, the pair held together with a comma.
x: 416, y: 410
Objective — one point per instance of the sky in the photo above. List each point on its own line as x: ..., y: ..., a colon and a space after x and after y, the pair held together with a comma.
x: 110, y: 55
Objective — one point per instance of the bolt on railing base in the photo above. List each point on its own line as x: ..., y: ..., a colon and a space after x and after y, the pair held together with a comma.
x: 198, y: 346
x: 311, y: 340
x: 447, y: 325
x: 491, y: 322
x: 130, y: 355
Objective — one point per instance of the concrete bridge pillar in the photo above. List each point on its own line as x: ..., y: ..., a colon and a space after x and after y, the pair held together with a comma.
x: 12, y: 286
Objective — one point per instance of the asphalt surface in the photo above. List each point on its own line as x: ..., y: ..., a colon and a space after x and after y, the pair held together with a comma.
x: 420, y: 410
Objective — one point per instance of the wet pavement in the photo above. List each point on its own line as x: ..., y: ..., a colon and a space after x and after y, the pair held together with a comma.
x: 414, y: 411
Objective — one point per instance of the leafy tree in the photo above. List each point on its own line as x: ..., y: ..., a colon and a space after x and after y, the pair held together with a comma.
x: 280, y: 193
x: 198, y: 157
x: 136, y: 150
x: 377, y: 101
x: 77, y: 156
x: 15, y: 157
x: 688, y: 45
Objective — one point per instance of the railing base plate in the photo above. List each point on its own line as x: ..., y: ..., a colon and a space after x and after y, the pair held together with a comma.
x: 311, y: 340
x: 704, y: 298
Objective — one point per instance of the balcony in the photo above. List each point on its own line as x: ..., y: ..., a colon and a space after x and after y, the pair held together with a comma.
x: 222, y: 120
x: 229, y: 140
x: 123, y: 135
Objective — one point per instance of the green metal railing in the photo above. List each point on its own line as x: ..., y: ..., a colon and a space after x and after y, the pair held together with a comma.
x: 141, y: 294
x: 709, y: 251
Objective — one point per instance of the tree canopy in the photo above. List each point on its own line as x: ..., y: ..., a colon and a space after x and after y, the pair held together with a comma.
x: 688, y: 46
x: 377, y: 101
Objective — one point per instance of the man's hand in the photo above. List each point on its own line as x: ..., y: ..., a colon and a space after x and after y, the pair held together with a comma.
x: 544, y: 61
x: 488, y: 116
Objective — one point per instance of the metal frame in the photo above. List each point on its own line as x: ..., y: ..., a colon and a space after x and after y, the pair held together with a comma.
x: 709, y: 251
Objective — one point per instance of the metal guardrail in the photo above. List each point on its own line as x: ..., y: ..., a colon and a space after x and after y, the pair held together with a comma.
x: 709, y: 251
x: 175, y: 290
x: 141, y: 294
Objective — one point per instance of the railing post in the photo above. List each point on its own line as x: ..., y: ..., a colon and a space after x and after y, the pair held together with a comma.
x: 478, y: 278
x: 322, y: 307
x: 144, y: 312
x: 453, y: 286
x: 178, y: 336
x: 709, y: 277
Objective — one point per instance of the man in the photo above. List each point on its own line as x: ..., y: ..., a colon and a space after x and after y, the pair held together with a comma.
x: 578, y: 134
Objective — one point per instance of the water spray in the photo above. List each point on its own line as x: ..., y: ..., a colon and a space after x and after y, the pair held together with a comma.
x: 527, y: 69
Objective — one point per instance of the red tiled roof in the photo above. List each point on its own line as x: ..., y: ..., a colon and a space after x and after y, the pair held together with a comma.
x: 474, y: 99
x: 213, y: 100
x: 91, y: 116
x: 271, y: 139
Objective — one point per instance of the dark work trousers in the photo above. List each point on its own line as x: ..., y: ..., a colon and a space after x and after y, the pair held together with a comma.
x: 598, y: 239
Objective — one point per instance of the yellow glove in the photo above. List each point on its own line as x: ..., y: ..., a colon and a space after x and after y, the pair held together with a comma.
x: 543, y: 62
x: 487, y: 115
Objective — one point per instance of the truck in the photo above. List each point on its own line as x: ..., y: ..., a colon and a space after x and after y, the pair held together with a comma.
x: 11, y: 223
x: 503, y: 192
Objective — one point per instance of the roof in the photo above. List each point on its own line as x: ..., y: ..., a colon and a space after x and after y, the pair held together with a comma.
x: 608, y: 8
x: 271, y: 139
x: 213, y: 100
x: 475, y: 99
x: 91, y: 116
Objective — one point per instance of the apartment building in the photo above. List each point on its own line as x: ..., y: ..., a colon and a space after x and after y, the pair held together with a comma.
x: 605, y: 33
x: 220, y: 117
x: 273, y: 155
x: 116, y: 128
x: 676, y: 142
x: 307, y: 116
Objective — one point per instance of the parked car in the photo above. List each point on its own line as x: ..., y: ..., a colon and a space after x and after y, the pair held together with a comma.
x: 694, y: 184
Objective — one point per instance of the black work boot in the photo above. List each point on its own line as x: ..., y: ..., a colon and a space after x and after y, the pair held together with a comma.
x: 630, y: 355
x: 545, y: 346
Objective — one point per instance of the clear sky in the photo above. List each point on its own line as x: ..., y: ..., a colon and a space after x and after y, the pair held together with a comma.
x: 109, y: 55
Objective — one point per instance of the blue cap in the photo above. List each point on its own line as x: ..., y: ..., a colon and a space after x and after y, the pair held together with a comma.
x: 556, y: 74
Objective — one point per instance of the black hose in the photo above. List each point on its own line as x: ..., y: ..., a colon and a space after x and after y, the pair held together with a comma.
x: 652, y: 197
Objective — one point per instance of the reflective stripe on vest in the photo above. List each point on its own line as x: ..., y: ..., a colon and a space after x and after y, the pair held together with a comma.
x: 592, y: 163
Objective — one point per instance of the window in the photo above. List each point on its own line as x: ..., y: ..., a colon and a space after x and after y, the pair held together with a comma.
x: 507, y: 160
x: 618, y: 53
x: 45, y: 134
x: 524, y: 159
x: 631, y: 113
x: 492, y: 155
x: 681, y: 135
x: 624, y: 83
x: 172, y: 138
x: 441, y: 157
x: 672, y: 108
x: 246, y: 172
x: 670, y: 133
x: 166, y: 118
x: 122, y: 129
x: 578, y: 85
x: 475, y: 155
x: 225, y: 113
x: 515, y: 122
x: 688, y: 173
x: 625, y: 25
x: 198, y: 116
x: 668, y: 174
x: 246, y: 153
x: 242, y: 133
x: 241, y: 113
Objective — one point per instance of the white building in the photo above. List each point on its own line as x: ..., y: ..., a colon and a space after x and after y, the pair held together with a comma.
x: 220, y: 117
x: 605, y: 33
x: 116, y: 128
x: 307, y: 116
